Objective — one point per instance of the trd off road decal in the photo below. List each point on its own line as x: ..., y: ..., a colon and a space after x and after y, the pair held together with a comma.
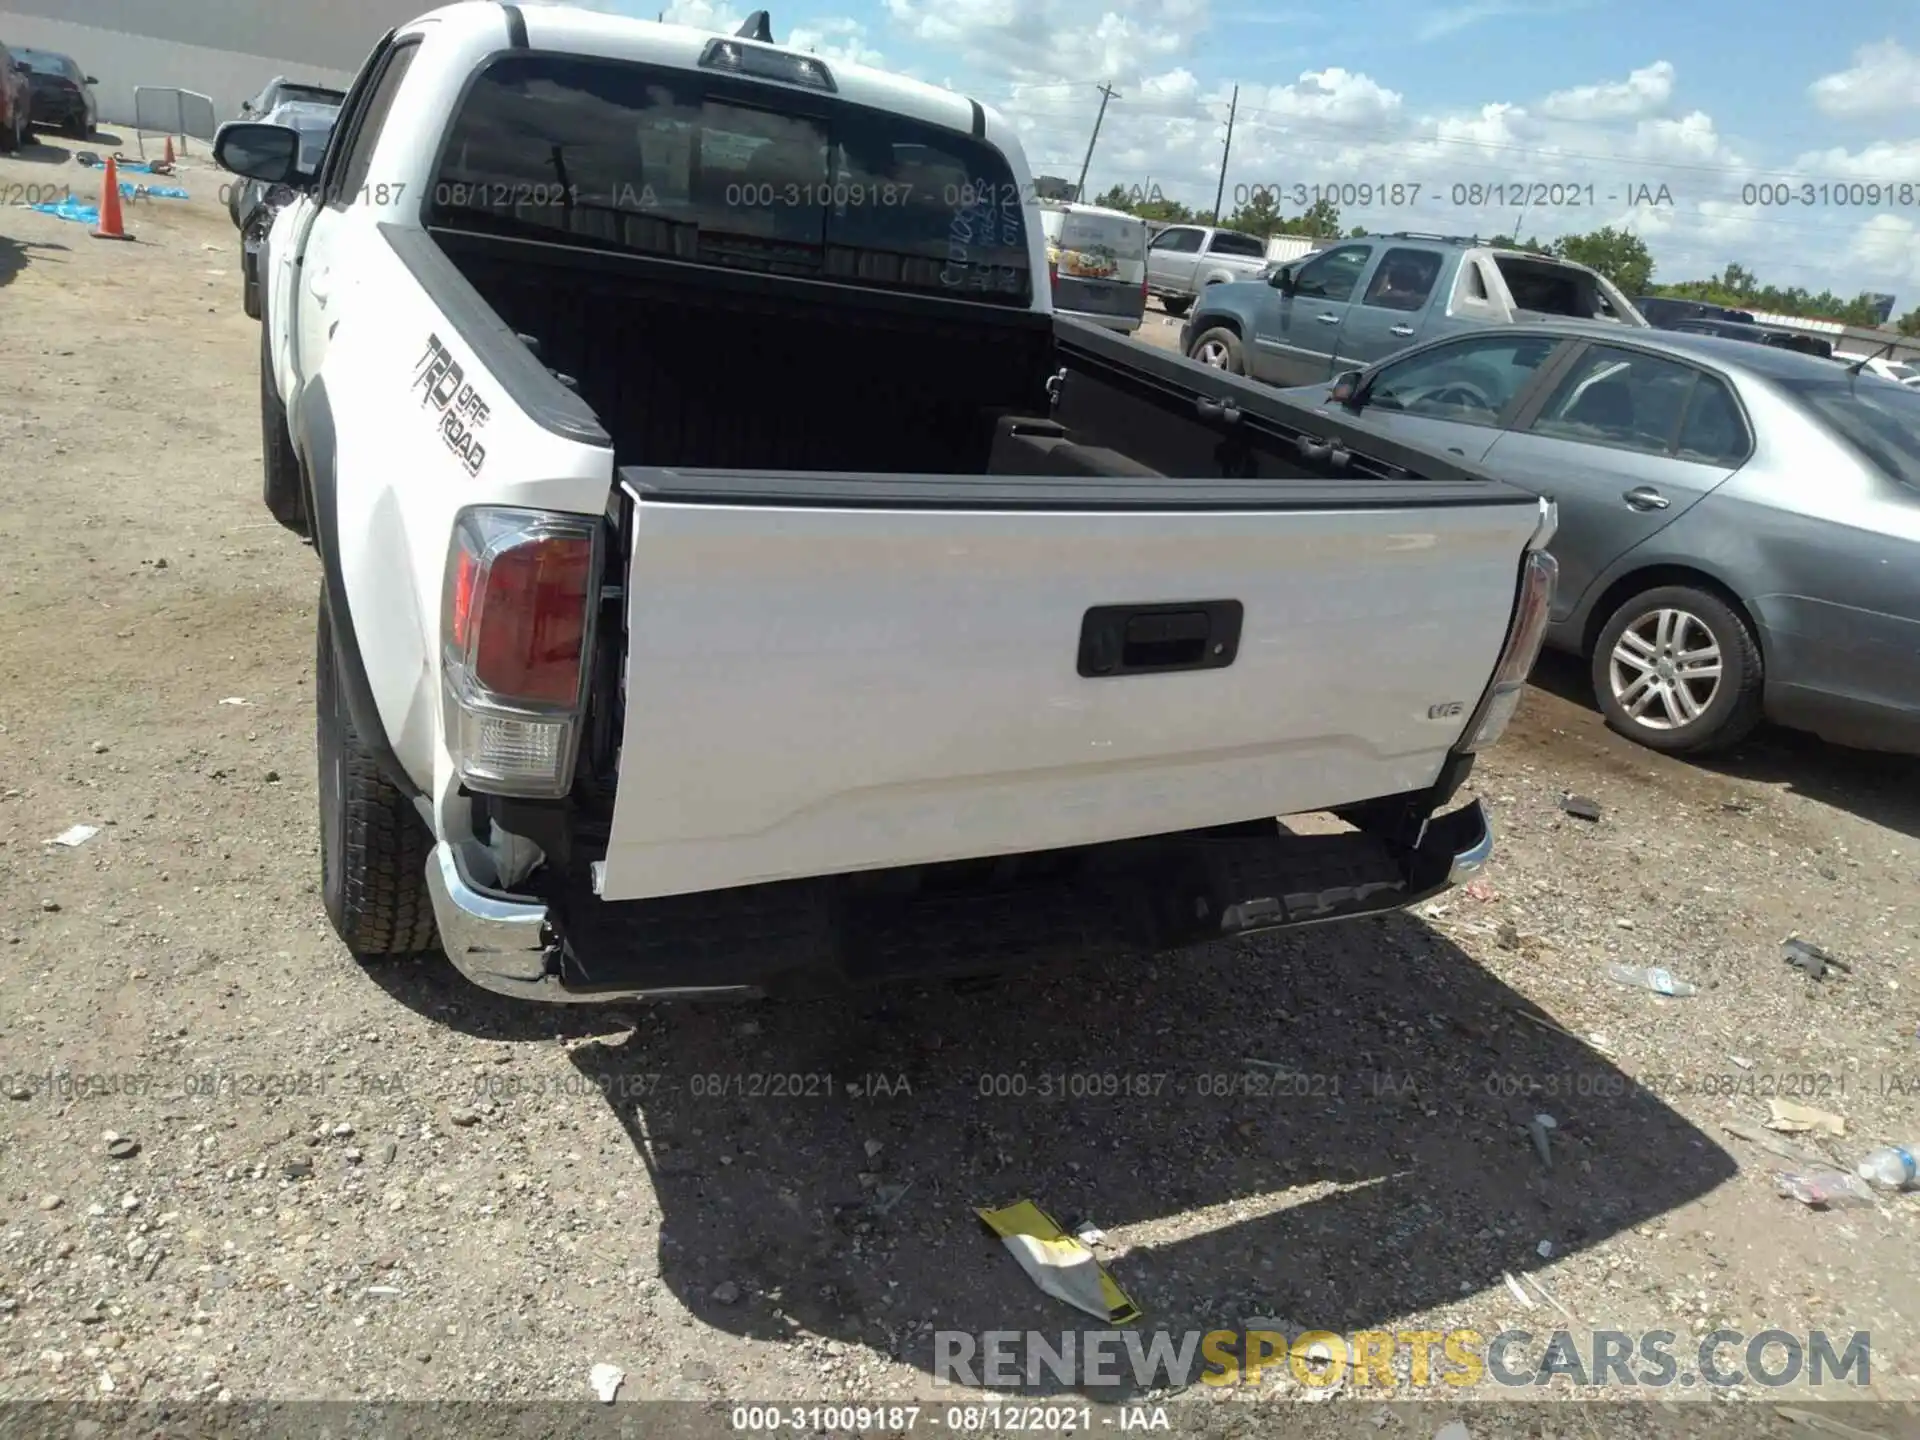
x: 462, y: 412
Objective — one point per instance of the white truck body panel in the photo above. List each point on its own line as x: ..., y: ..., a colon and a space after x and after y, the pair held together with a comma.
x: 818, y: 691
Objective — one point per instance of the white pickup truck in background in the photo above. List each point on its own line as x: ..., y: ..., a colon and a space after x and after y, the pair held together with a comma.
x: 735, y: 577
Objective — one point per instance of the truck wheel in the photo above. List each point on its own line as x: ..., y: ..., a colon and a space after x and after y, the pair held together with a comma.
x: 1220, y: 348
x: 280, y: 483
x: 1176, y: 305
x: 373, y: 847
x: 1678, y: 670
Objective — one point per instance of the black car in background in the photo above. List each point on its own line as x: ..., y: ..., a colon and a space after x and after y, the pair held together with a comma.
x: 1755, y: 335
x: 62, y: 93
x: 1663, y: 312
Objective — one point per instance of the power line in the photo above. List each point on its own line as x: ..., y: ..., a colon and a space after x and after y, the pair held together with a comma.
x: 1340, y: 130
x: 1106, y: 93
x: 1226, y: 150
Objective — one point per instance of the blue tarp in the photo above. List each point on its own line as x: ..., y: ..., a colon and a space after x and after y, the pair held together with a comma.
x: 70, y: 209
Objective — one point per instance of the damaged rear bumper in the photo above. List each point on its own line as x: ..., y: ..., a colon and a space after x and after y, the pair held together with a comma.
x: 1158, y: 895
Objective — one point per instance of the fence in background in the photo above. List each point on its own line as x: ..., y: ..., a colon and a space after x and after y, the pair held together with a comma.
x: 166, y: 110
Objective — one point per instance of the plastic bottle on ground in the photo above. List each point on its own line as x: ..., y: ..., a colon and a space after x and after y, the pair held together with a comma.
x: 1824, y: 1187
x: 1660, y: 981
x: 1892, y: 1167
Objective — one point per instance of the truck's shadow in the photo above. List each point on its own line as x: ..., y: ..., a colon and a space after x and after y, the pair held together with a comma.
x: 1392, y: 1175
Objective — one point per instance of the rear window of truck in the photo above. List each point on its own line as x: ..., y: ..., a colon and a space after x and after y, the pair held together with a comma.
x: 686, y: 165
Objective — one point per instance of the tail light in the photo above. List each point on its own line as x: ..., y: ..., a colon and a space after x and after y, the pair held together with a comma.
x: 517, y: 629
x: 1524, y: 636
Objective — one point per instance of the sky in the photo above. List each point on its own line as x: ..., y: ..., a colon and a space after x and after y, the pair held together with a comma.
x: 1717, y: 130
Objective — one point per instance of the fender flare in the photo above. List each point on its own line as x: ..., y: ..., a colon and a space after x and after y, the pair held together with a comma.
x: 318, y: 454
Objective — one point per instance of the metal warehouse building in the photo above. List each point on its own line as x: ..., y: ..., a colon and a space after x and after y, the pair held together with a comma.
x: 224, y: 49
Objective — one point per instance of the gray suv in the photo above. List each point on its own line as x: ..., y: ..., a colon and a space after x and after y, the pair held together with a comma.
x: 1362, y: 300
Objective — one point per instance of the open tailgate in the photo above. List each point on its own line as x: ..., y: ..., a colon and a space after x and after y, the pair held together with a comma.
x: 829, y: 673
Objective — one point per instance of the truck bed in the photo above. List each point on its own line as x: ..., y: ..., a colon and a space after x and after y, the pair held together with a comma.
x: 906, y: 606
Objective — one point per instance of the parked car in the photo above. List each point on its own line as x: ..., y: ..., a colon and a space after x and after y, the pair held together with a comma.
x: 1663, y: 312
x: 1752, y: 334
x: 1895, y: 370
x: 16, y: 101
x: 314, y: 120
x: 1183, y: 260
x: 1739, y: 524
x: 1361, y: 300
x: 279, y: 90
x: 1096, y: 263
x: 62, y: 93
x: 716, y: 598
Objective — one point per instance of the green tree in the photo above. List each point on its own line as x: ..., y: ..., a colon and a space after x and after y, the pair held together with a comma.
x: 1321, y: 218
x: 1909, y: 323
x: 1260, y: 215
x: 1513, y: 242
x: 1738, y: 288
x: 1620, y: 255
x: 1115, y: 198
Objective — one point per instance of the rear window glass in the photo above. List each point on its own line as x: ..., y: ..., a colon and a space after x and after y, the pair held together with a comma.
x: 1227, y: 242
x: 1878, y: 418
x: 1117, y: 235
x: 719, y: 171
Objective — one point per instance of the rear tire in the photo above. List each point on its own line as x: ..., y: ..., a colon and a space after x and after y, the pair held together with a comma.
x: 281, y: 485
x: 373, y: 846
x: 1219, y: 348
x: 10, y: 138
x: 1176, y: 306
x: 1678, y: 670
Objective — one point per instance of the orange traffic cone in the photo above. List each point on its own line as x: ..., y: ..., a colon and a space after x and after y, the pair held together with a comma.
x: 167, y: 159
x: 110, y: 226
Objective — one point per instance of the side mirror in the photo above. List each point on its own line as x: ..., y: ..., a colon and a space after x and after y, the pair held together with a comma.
x: 23, y: 67
x: 259, y: 151
x: 93, y: 80
x: 1282, y: 280
x: 1346, y: 390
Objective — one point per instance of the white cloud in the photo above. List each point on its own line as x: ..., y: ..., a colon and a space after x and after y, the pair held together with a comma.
x: 1645, y: 92
x: 836, y: 38
x: 704, y: 15
x: 1451, y: 20
x: 1889, y: 246
x: 1885, y: 78
x: 1883, y: 163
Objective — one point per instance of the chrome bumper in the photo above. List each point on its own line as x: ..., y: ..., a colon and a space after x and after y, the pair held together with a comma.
x: 509, y: 945
x: 1470, y: 861
x: 498, y: 941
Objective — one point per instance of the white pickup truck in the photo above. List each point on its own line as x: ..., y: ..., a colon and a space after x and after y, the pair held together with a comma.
x: 735, y: 578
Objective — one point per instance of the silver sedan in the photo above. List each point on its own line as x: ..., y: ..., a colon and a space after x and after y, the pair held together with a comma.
x: 1739, y: 525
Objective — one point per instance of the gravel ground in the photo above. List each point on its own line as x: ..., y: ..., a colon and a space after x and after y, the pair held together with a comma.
x: 237, y: 1164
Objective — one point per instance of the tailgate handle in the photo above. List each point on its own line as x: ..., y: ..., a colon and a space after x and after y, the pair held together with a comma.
x: 1154, y: 639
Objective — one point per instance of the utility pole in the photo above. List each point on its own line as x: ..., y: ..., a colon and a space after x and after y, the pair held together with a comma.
x: 1221, y: 192
x: 1106, y: 94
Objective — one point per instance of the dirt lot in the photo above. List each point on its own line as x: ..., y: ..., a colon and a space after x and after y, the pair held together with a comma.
x: 387, y: 1184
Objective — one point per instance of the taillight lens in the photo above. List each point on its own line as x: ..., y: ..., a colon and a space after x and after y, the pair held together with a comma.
x: 520, y: 598
x: 1534, y: 605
